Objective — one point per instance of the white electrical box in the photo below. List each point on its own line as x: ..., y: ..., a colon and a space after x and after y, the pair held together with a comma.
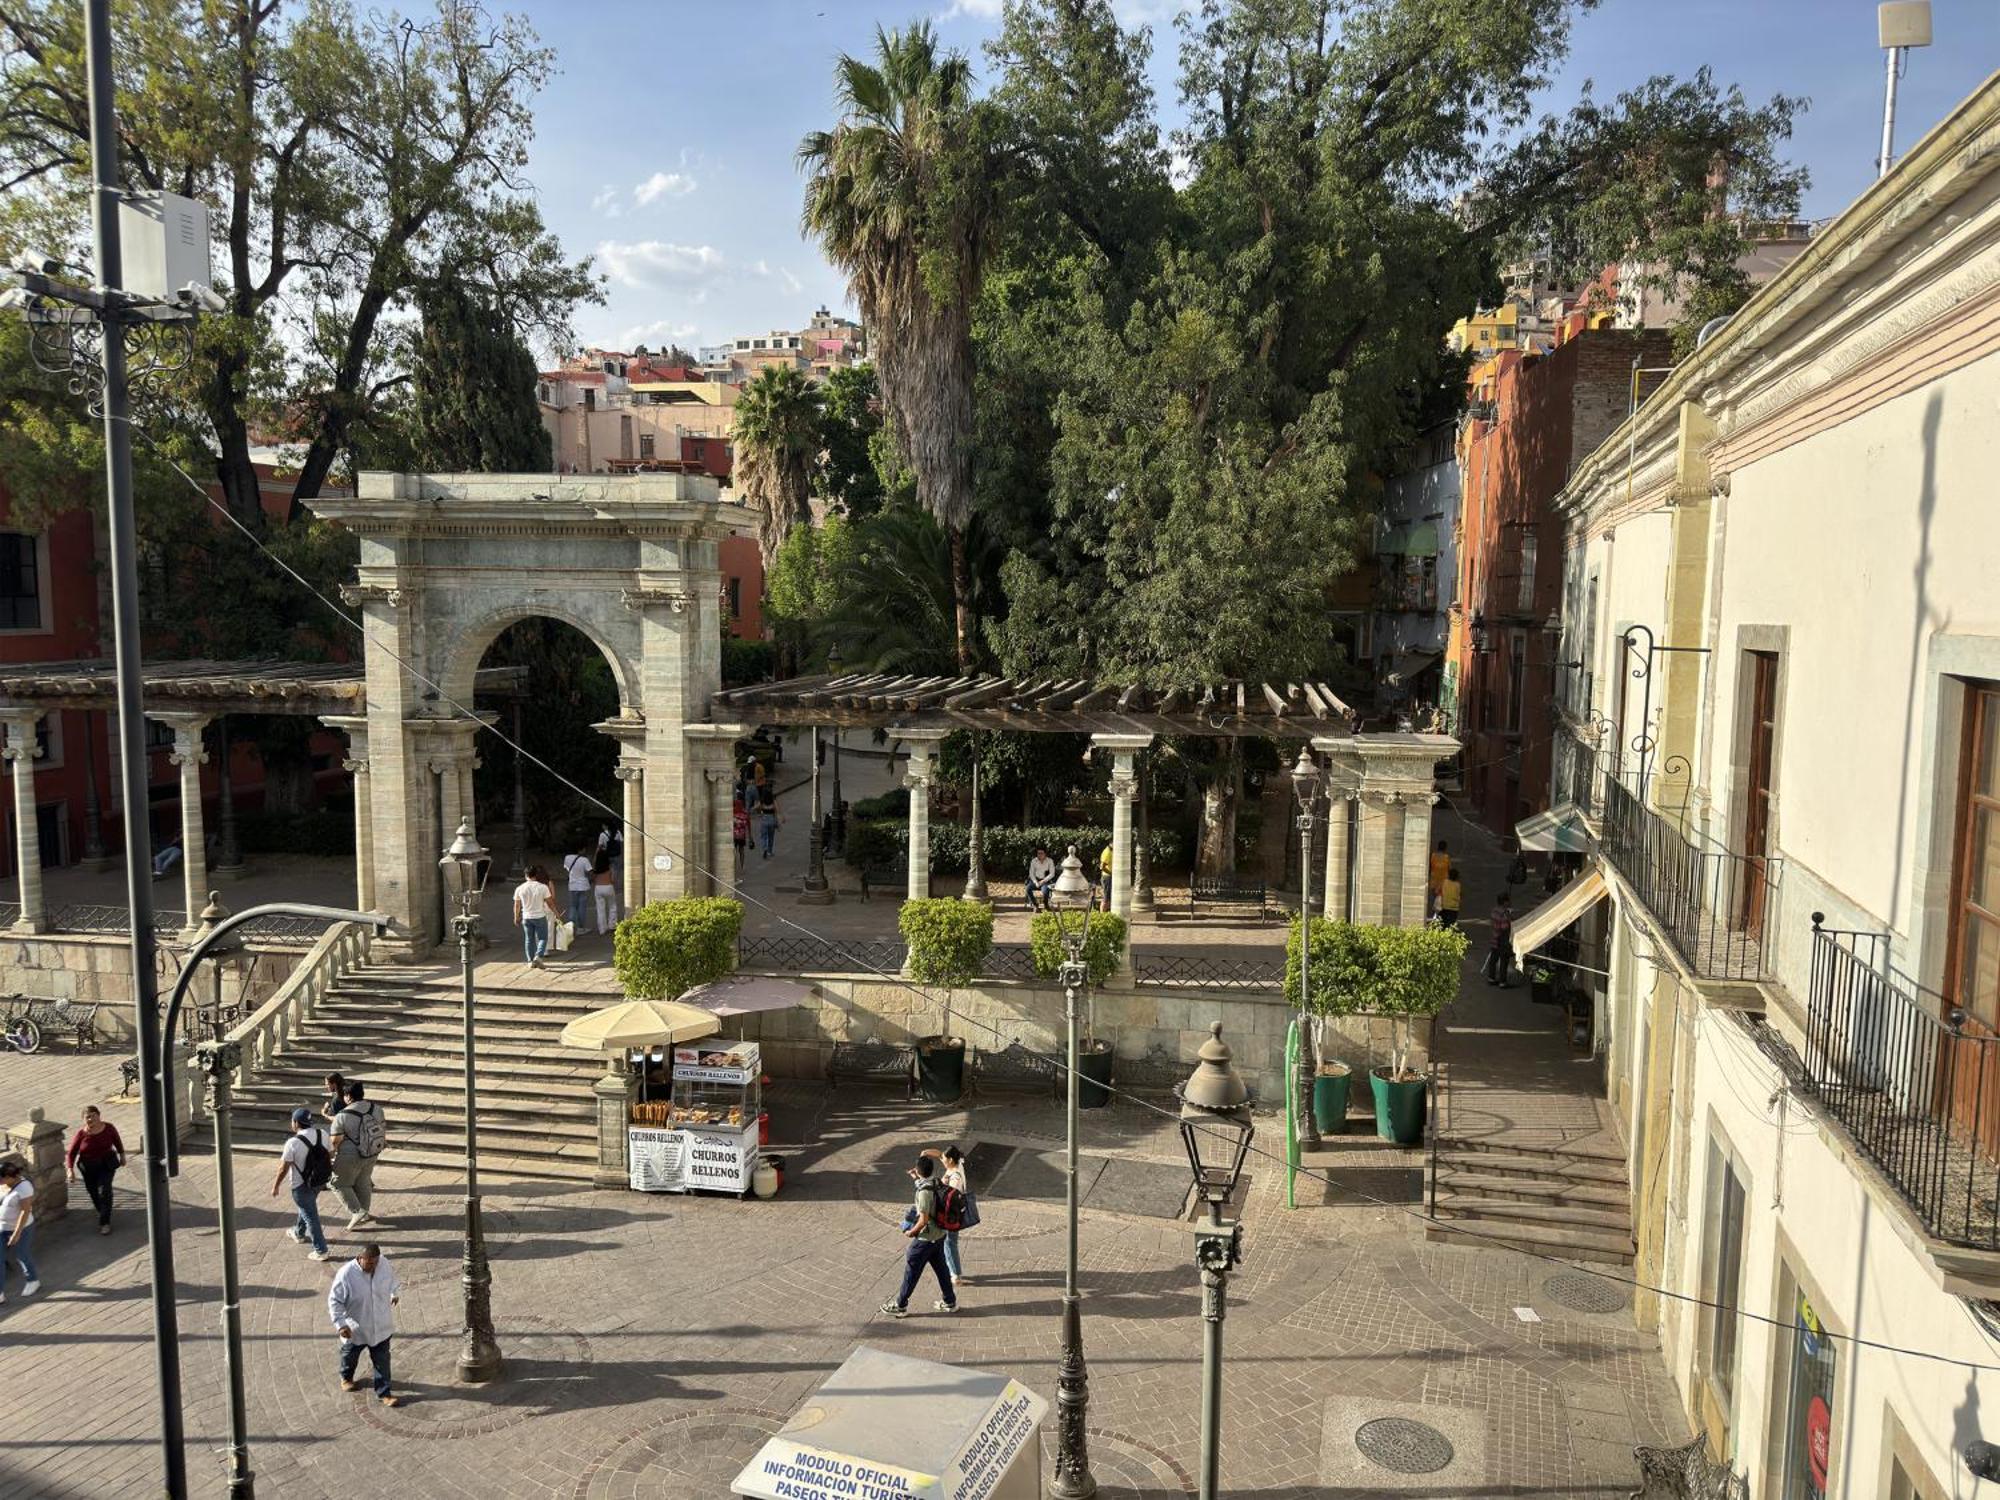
x: 1904, y: 23
x: 163, y: 244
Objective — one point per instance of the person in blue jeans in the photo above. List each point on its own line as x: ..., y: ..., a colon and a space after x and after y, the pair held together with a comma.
x: 926, y: 1247
x: 767, y: 826
x: 532, y: 899
x: 17, y: 1229
x: 362, y: 1304
x: 305, y: 1197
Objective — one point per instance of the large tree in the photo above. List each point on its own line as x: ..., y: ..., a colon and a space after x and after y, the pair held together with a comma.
x: 902, y: 196
x: 776, y: 440
x: 345, y: 155
x: 472, y: 406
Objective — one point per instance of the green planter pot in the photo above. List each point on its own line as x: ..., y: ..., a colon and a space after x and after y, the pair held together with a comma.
x: 1399, y: 1109
x: 1093, y: 1066
x: 941, y: 1068
x: 1330, y: 1101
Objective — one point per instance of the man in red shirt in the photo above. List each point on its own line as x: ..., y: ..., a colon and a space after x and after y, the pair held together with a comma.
x: 96, y: 1148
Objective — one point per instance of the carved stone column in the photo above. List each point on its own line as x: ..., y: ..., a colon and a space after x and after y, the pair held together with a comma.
x: 1416, y: 857
x: 355, y: 763
x: 710, y: 749
x: 1339, y: 854
x: 1372, y: 868
x: 21, y: 751
x: 1395, y: 776
x: 631, y: 776
x: 1142, y: 856
x: 923, y: 745
x: 721, y: 813
x: 189, y: 755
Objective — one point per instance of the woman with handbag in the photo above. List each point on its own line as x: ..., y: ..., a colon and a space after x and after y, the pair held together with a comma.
x: 954, y: 1177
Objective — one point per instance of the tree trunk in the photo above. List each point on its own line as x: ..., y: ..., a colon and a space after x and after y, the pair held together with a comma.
x: 1219, y: 797
x: 234, y: 470
x: 961, y: 599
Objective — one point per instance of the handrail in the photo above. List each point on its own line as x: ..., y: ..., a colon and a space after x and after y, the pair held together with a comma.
x: 265, y: 1030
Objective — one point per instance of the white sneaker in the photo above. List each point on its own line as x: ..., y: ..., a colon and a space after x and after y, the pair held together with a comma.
x: 364, y: 1217
x: 31, y: 1288
x: 319, y: 1255
x: 294, y: 1236
x: 891, y: 1310
x: 961, y: 1281
x: 356, y: 1219
x: 943, y: 1306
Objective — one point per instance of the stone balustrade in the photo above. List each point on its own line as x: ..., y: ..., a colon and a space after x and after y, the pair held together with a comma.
x: 266, y: 1030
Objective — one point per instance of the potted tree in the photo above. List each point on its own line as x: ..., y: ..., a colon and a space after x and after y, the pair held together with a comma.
x: 1103, y: 942
x: 1331, y: 993
x: 1403, y: 973
x: 948, y: 941
x: 666, y: 948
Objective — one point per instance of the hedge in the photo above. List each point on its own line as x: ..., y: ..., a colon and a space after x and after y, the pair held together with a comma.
x: 666, y: 948
x: 882, y: 841
x: 745, y: 662
x: 894, y: 803
x: 948, y: 940
x: 1102, y: 943
x: 1399, y: 971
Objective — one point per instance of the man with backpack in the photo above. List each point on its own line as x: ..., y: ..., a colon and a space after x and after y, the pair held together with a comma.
x: 358, y: 1137
x: 939, y: 1210
x: 307, y: 1165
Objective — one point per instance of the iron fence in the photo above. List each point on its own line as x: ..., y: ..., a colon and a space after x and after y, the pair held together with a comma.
x: 1200, y: 971
x: 1578, y: 779
x: 811, y: 955
x: 1717, y: 908
x: 1912, y: 1079
x: 100, y: 918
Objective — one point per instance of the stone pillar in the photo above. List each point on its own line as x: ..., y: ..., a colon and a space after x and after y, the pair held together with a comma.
x: 1417, y: 857
x: 679, y: 601
x: 355, y: 763
x: 1394, y: 855
x: 94, y: 855
x: 1142, y: 857
x: 818, y: 890
x: 38, y: 1141
x: 1394, y: 776
x: 21, y: 751
x: 518, y: 870
x: 710, y: 753
x: 721, y: 813
x: 631, y: 776
x: 1339, y: 853
x: 398, y: 809
x: 189, y: 755
x: 614, y: 1109
x: 923, y: 745
x: 1124, y: 750
x: 1372, y: 875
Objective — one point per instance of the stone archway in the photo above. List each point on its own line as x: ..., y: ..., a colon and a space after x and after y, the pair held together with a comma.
x: 447, y: 562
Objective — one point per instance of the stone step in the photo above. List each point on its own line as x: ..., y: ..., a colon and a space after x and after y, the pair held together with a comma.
x: 405, y: 1092
x: 1583, y: 1193
x: 439, y: 1002
x: 444, y: 1149
x: 261, y: 1120
x: 421, y: 1033
x: 1589, y: 1150
x: 1471, y: 1206
x: 390, y: 1048
x: 1534, y: 1167
x: 1538, y: 1239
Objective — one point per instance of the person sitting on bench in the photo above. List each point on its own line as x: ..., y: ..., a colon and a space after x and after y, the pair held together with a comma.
x: 1041, y: 878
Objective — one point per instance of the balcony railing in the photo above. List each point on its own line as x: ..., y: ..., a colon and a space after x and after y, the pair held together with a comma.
x: 1913, y: 1080
x: 1716, y: 907
x: 1578, y: 779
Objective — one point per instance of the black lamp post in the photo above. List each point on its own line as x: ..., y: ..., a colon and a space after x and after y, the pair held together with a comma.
x: 464, y: 867
x: 1306, y: 784
x: 839, y: 807
x: 1070, y: 900
x: 1216, y: 1130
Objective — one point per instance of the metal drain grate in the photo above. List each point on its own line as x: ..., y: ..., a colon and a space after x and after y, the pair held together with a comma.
x: 1581, y: 1292
x: 1402, y: 1446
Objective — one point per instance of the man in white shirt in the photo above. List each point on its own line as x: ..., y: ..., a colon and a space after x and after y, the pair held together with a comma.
x: 362, y: 1304
x: 531, y: 914
x: 1041, y: 878
x: 17, y: 1228
x: 577, y: 868
x: 296, y: 1167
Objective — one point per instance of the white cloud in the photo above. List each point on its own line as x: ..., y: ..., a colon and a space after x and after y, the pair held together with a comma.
x: 660, y: 332
x: 663, y: 185
x: 766, y: 271
x: 985, y: 10
x: 651, y: 263
x: 606, y: 202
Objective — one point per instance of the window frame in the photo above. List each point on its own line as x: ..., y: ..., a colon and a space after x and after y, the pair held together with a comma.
x: 37, y: 559
x: 1982, y: 697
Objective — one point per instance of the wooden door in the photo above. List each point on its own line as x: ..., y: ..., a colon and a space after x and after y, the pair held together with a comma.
x: 1972, y: 1066
x: 1762, y: 734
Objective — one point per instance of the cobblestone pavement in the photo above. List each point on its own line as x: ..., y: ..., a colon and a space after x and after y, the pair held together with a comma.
x: 653, y: 1341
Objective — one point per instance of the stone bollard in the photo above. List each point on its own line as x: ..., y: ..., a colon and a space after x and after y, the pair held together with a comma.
x: 39, y: 1143
x: 614, y: 1090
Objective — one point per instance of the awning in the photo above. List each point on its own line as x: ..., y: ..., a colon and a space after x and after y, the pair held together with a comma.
x: 1407, y: 666
x: 1556, y: 913
x: 1422, y: 540
x: 746, y: 994
x: 1390, y: 542
x: 1560, y: 830
x: 638, y: 1023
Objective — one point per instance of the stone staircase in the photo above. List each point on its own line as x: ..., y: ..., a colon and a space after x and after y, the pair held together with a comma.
x: 1571, y: 1201
x: 400, y: 1031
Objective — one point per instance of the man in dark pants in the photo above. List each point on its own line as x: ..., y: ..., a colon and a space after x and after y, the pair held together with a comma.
x: 926, y: 1248
x: 1500, y: 957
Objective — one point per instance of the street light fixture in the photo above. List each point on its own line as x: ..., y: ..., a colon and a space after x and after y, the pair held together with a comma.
x: 1216, y: 1130
x: 1070, y: 902
x: 1306, y: 779
x: 464, y: 867
x: 839, y: 807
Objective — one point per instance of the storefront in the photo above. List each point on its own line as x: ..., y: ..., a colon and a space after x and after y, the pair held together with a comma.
x: 704, y: 1137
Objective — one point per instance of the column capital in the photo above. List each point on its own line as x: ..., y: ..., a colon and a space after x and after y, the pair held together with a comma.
x: 368, y: 593
x: 21, y: 742
x: 14, y: 717
x: 627, y: 770
x: 673, y: 599
x: 1124, y: 778
x: 354, y: 767
x: 717, y: 775
x: 1121, y: 744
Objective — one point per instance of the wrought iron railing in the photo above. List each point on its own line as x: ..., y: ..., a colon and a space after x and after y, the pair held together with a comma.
x: 1578, y: 779
x: 1010, y: 961
x: 1912, y: 1079
x: 811, y: 955
x: 1717, y: 908
x: 101, y: 918
x: 1200, y: 971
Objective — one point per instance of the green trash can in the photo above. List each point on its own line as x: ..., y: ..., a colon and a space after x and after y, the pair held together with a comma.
x: 1399, y: 1108
x: 941, y: 1068
x: 1330, y: 1100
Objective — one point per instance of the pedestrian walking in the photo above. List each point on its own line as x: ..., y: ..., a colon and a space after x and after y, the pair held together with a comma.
x: 1500, y: 957
x: 768, y: 820
x: 739, y: 829
x: 1450, y: 893
x: 926, y: 1248
x: 362, y: 1303
x: 604, y: 890
x: 359, y: 1134
x: 17, y: 1229
x: 336, y: 1097
x: 306, y: 1166
x: 577, y: 868
x: 532, y: 899
x: 99, y: 1153
x: 1440, y: 867
x: 952, y: 1174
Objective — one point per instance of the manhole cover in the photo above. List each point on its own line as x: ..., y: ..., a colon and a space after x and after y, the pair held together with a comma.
x: 1403, y: 1446
x: 1582, y: 1292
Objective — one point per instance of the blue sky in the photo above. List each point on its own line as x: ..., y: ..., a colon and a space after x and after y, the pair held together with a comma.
x: 665, y: 144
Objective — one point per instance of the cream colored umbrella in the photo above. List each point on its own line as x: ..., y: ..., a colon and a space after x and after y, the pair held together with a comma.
x: 639, y: 1023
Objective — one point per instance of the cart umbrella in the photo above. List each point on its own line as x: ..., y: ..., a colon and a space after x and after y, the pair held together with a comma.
x: 639, y: 1023
x: 746, y: 994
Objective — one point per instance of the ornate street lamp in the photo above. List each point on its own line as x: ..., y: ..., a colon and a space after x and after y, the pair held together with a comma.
x: 1216, y: 1130
x: 1070, y: 901
x: 1306, y: 784
x: 464, y: 867
x: 839, y: 807
x: 815, y: 890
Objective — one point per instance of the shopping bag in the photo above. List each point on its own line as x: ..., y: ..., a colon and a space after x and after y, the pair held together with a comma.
x: 565, y: 935
x: 971, y: 1210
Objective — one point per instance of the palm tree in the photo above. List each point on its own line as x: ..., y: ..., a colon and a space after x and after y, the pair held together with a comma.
x: 901, y: 196
x: 776, y: 438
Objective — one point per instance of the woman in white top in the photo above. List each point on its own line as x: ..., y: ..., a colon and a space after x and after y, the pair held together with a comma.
x: 532, y: 898
x: 17, y: 1228
x: 953, y: 1176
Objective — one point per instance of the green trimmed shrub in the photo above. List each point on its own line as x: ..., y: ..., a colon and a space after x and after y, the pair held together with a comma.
x: 1395, y: 971
x: 666, y: 948
x: 948, y: 939
x: 894, y: 803
x: 1102, y: 943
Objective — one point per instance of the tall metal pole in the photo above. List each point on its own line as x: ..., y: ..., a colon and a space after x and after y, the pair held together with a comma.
x: 220, y: 1060
x: 93, y: 820
x: 1883, y: 162
x: 520, y: 866
x: 1213, y: 1255
x: 132, y: 748
x: 815, y: 890
x: 1073, y: 1479
x: 975, y: 838
x: 1303, y: 1074
x: 839, y: 807
x: 479, y: 1358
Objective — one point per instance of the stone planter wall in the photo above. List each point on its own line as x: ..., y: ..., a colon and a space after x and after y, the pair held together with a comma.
x: 1368, y: 1040
x: 96, y: 969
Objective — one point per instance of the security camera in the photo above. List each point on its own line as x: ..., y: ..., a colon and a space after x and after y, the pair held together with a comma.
x: 35, y: 262
x: 207, y: 298
x: 1982, y: 1460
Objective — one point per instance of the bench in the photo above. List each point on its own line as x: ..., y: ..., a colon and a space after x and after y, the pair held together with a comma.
x: 1014, y: 1066
x: 872, y: 1062
x: 78, y: 1022
x: 1228, y: 890
x: 1686, y: 1473
x: 885, y: 876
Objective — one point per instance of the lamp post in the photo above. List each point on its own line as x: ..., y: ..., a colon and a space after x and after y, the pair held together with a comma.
x: 839, y: 807
x: 815, y: 890
x: 1069, y: 900
x: 464, y: 867
x: 1216, y: 1130
x: 1306, y: 783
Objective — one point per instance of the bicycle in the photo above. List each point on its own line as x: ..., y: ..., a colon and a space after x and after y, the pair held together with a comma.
x: 23, y: 1035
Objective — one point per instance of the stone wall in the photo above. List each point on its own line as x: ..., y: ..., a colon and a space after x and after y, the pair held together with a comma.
x: 96, y: 969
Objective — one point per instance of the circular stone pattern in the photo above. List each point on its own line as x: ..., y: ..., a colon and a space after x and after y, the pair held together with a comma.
x: 1125, y: 1468
x: 696, y: 1453
x: 545, y: 1369
x: 1402, y: 1446
x: 1581, y: 1292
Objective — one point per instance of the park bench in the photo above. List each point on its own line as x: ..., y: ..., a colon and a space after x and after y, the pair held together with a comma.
x: 57, y: 1017
x: 1686, y: 1473
x: 1228, y: 890
x: 883, y: 876
x: 872, y: 1062
x: 1014, y: 1066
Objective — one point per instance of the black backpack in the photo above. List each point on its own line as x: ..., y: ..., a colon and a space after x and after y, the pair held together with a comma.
x: 950, y: 1208
x: 318, y: 1169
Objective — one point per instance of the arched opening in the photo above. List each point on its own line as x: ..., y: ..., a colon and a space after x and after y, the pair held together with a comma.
x: 539, y: 806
